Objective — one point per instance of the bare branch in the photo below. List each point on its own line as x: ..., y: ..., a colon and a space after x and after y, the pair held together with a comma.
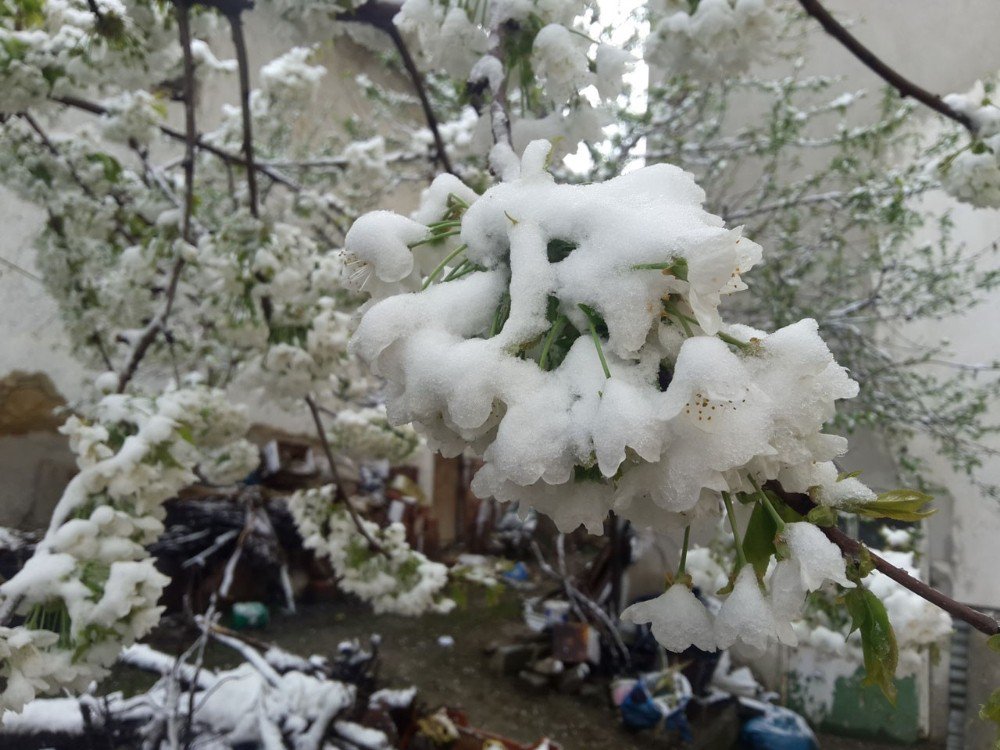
x: 499, y: 109
x: 239, y: 43
x: 980, y: 621
x: 335, y: 474
x: 379, y: 15
x: 200, y: 144
x: 904, y: 86
x: 425, y: 102
x: 159, y: 322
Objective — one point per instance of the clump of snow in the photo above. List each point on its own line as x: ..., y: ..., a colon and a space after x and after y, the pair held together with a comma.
x: 818, y: 559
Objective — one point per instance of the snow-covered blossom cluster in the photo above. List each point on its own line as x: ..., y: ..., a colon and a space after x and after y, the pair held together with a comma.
x: 366, y: 435
x: 91, y: 587
x: 973, y: 173
x: 300, y: 346
x: 571, y: 335
x: 287, y: 86
x: 710, y: 39
x: 752, y: 613
x: 62, y: 47
x: 576, y: 342
x: 393, y: 578
x: 546, y: 55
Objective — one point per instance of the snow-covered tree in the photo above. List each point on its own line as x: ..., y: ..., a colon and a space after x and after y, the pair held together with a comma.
x: 589, y: 335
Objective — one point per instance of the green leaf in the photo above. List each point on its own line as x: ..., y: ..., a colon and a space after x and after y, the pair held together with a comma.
x: 899, y: 505
x: 878, y: 641
x: 990, y: 711
x: 994, y: 642
x: 822, y: 515
x: 111, y: 166
x: 558, y: 250
x: 758, y: 539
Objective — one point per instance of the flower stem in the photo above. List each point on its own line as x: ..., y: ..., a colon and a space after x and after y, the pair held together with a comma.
x: 740, y: 557
x: 435, y: 238
x: 779, y: 522
x: 440, y: 266
x: 553, y: 334
x: 597, y: 340
x: 456, y: 271
x: 684, y: 552
x: 733, y: 341
x: 671, y: 309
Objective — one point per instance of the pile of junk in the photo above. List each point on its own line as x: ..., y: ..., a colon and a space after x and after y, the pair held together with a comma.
x: 573, y: 642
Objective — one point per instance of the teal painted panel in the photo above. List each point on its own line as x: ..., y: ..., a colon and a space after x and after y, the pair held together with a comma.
x: 863, y: 711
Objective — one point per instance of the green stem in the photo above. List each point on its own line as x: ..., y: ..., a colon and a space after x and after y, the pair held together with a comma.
x: 733, y: 341
x: 653, y: 266
x: 670, y: 309
x: 456, y: 271
x: 471, y: 268
x: 456, y: 200
x: 553, y: 334
x: 740, y: 557
x: 500, y: 317
x: 440, y: 266
x: 684, y: 552
x: 779, y: 522
x: 597, y: 341
x: 435, y: 238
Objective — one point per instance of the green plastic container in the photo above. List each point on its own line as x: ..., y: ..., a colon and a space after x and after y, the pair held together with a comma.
x: 249, y: 616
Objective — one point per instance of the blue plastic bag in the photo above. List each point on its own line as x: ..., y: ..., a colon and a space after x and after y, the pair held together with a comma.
x: 640, y: 711
x: 778, y: 729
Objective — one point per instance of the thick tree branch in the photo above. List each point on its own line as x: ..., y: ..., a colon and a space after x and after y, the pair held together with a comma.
x: 335, y: 474
x: 904, y: 86
x: 979, y: 620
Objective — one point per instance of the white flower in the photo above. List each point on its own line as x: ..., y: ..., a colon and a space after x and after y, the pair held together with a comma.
x: 560, y: 59
x: 746, y: 615
x: 818, y: 558
x: 678, y: 620
x: 613, y: 64
x: 378, y: 251
x: 720, y: 38
x: 91, y: 586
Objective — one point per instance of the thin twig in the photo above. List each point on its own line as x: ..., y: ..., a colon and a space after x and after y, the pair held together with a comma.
x: 904, y: 86
x: 202, y: 145
x: 239, y: 43
x: 980, y: 621
x: 338, y: 484
x: 425, y: 102
x: 159, y: 322
x: 379, y: 14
